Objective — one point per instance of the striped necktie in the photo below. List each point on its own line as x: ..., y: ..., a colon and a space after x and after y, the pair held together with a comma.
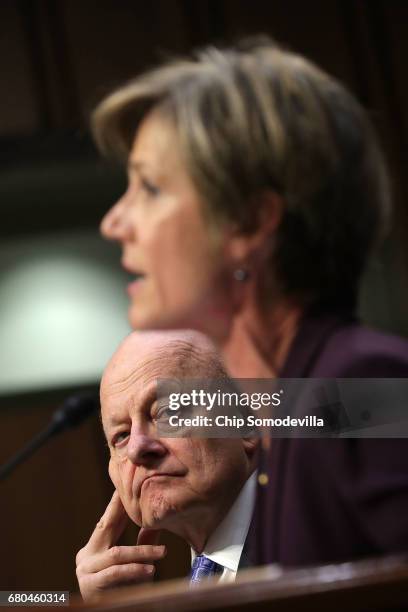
x: 203, y: 568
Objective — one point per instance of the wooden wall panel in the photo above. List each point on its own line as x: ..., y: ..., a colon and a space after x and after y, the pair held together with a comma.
x: 18, y: 105
x: 111, y: 41
x: 50, y: 504
x: 315, y: 28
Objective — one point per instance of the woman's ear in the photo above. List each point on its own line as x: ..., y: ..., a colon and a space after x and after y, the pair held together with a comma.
x: 243, y: 246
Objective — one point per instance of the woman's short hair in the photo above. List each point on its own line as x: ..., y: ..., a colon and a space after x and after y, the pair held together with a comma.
x: 255, y: 118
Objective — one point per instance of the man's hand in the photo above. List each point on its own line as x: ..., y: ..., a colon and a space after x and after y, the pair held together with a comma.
x: 102, y: 565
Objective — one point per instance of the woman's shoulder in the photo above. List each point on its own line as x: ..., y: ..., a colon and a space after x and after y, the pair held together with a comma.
x: 355, y: 350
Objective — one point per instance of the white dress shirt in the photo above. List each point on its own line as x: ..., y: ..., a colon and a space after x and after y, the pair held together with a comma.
x: 225, y: 545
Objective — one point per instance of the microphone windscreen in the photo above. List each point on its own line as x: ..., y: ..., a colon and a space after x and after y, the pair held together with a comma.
x: 75, y: 410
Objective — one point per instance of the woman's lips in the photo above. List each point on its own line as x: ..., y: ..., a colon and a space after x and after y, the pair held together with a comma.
x: 136, y: 278
x: 134, y: 286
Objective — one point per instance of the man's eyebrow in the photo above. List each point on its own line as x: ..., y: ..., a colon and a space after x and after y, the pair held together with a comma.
x: 112, y: 421
x: 149, y: 397
x: 101, y: 424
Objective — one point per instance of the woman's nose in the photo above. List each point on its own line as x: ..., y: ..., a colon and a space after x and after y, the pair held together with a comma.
x: 144, y: 449
x: 116, y: 225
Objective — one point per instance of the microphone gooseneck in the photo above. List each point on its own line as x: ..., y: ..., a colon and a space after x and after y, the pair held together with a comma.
x: 75, y: 410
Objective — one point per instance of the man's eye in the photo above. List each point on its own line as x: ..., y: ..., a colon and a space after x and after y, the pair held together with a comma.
x: 119, y: 437
x: 164, y: 413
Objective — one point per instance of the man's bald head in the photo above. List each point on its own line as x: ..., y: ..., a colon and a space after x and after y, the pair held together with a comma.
x: 161, y: 354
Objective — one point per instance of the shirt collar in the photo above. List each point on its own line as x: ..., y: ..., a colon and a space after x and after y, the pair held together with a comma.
x: 226, y: 543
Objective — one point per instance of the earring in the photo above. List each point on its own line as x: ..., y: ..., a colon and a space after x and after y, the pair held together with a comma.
x: 241, y: 275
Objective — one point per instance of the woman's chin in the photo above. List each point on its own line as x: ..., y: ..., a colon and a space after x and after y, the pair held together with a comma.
x: 145, y: 319
x: 140, y: 319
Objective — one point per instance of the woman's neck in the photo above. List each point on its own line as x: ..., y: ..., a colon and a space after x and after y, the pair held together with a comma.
x: 258, y: 344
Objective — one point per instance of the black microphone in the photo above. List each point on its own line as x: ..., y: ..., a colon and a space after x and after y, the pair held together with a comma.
x: 72, y: 413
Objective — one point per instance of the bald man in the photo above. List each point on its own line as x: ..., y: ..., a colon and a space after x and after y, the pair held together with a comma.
x: 200, y: 489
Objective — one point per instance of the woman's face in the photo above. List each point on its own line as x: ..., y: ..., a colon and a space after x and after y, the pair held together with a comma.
x: 181, y: 278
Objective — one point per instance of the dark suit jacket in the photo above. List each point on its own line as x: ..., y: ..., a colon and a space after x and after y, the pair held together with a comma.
x: 331, y: 500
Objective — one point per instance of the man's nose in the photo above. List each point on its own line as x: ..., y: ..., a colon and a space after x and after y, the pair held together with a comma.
x: 144, y: 449
x: 116, y: 224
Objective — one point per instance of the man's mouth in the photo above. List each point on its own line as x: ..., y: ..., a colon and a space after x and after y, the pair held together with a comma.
x: 152, y: 477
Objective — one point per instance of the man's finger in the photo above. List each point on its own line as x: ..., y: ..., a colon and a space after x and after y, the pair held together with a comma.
x: 121, y: 555
x: 121, y: 575
x: 110, y: 527
x: 148, y: 536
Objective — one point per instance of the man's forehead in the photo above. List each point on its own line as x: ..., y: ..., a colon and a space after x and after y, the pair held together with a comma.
x: 163, y: 352
x: 125, y: 371
x: 143, y: 357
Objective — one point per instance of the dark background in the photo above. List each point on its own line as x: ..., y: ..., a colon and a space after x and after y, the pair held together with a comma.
x: 57, y: 59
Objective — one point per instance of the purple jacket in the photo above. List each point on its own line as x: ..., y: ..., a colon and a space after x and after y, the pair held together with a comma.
x: 331, y: 500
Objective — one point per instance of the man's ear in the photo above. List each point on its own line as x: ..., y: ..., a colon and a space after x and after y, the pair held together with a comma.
x: 244, y: 246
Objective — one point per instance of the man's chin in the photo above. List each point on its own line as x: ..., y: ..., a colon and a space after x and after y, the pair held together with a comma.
x: 157, y: 514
